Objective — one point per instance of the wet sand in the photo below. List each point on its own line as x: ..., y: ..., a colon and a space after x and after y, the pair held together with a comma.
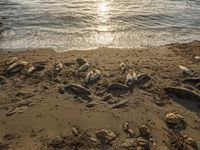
x: 45, y: 115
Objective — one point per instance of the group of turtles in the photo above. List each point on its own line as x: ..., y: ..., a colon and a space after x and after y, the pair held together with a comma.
x: 94, y: 75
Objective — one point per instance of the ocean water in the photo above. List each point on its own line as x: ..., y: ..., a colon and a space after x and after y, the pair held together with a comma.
x: 89, y: 24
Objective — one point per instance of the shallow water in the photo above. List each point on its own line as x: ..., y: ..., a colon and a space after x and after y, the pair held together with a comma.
x: 88, y: 24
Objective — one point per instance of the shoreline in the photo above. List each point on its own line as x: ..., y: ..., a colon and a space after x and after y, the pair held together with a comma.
x: 36, y: 112
x: 90, y: 49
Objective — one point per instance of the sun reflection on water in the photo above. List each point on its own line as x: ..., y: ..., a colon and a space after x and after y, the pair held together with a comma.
x: 103, y: 7
x: 103, y: 37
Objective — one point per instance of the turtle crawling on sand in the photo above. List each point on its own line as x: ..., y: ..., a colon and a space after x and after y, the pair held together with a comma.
x: 93, y: 76
x: 117, y: 86
x: 78, y: 89
x: 186, y: 70
x: 183, y: 92
x: 80, y: 61
x: 143, y: 77
x: 16, y: 67
x: 83, y: 68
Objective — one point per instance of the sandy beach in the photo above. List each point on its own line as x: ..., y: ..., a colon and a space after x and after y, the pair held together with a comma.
x: 37, y: 112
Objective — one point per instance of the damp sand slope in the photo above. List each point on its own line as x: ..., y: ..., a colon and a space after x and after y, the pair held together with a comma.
x: 36, y: 113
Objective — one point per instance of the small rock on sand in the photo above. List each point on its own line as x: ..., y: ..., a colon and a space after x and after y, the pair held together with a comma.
x: 173, y: 118
x: 107, y: 97
x: 61, y: 91
x: 2, y: 80
x: 120, y: 104
x: 142, y: 144
x: 91, y: 104
x: 18, y: 110
x: 74, y: 131
x: 58, y: 67
x: 127, y: 130
x: 190, y: 141
x: 105, y: 136
x: 131, y: 142
x: 123, y: 67
x: 144, y: 130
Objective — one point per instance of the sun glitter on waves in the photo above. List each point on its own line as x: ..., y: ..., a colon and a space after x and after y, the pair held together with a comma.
x: 104, y: 37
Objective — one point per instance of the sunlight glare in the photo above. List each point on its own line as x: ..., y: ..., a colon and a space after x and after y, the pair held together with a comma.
x: 103, y: 7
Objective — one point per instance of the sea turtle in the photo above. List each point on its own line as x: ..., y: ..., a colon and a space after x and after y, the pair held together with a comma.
x: 186, y: 70
x: 16, y: 67
x: 93, y: 76
x: 81, y: 61
x: 83, y: 68
x: 183, y: 92
x: 117, y: 86
x: 78, y: 89
x: 143, y: 77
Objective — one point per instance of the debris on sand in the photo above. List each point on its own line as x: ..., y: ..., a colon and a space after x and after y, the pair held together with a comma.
x: 16, y: 67
x: 190, y: 141
x: 58, y: 67
x: 78, y: 89
x: 197, y: 58
x: 83, y: 68
x: 120, y: 104
x: 60, y: 90
x: 57, y: 143
x: 80, y: 61
x: 186, y: 70
x: 173, y: 118
x: 2, y: 81
x: 183, y: 92
x: 75, y: 139
x: 128, y: 143
x: 198, y: 86
x: 117, y: 86
x: 175, y: 141
x: 142, y: 144
x: 11, y: 136
x: 144, y: 130
x: 105, y: 136
x: 194, y: 80
x: 74, y: 132
x: 123, y: 67
x: 93, y: 76
x: 107, y: 97
x: 127, y: 130
x: 11, y: 61
x: 18, y: 110
x: 4, y: 145
x: 91, y: 104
